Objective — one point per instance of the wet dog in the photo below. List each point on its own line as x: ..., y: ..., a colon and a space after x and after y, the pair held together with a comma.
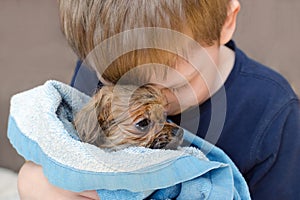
x: 125, y: 115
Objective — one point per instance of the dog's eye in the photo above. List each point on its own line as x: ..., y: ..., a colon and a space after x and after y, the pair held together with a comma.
x: 143, y: 125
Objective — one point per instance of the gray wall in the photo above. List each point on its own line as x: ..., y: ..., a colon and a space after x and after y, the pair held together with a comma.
x: 269, y: 32
x: 33, y: 50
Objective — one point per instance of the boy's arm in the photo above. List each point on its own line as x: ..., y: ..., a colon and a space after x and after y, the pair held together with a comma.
x: 32, y: 184
x: 85, y: 79
x: 276, y: 174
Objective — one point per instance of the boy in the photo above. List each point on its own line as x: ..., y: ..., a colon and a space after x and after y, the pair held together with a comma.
x: 252, y: 109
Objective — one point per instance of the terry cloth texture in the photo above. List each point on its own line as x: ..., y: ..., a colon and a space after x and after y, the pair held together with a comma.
x: 41, y: 130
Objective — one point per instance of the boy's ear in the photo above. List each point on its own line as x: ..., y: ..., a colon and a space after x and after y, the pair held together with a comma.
x: 230, y: 23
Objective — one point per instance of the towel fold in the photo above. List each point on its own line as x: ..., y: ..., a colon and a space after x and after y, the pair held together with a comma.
x: 41, y: 130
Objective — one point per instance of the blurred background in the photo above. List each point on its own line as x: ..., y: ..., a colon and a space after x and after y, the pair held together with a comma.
x: 33, y: 50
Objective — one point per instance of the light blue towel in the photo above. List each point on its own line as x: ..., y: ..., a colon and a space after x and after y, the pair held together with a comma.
x: 41, y: 130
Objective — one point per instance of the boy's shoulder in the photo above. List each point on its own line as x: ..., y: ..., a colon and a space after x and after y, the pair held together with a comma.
x: 260, y: 79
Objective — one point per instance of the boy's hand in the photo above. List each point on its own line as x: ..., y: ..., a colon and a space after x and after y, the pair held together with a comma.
x: 32, y: 184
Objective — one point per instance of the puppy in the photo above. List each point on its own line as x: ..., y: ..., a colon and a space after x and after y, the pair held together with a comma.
x: 122, y: 116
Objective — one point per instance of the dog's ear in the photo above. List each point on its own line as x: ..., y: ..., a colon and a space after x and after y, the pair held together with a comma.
x: 91, y: 121
x: 102, y: 102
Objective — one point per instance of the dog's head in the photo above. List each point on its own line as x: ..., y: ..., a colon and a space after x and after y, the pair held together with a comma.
x: 122, y: 116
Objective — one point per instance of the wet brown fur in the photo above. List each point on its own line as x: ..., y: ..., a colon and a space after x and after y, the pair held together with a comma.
x: 122, y: 116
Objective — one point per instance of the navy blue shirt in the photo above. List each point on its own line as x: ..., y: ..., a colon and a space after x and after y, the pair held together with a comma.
x: 261, y: 132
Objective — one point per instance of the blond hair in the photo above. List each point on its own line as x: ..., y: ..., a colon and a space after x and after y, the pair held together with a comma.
x: 87, y: 23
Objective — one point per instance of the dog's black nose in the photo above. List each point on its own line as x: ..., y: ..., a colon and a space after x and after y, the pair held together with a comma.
x: 177, y: 131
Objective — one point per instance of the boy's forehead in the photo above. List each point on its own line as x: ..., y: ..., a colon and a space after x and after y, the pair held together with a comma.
x: 199, y: 62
